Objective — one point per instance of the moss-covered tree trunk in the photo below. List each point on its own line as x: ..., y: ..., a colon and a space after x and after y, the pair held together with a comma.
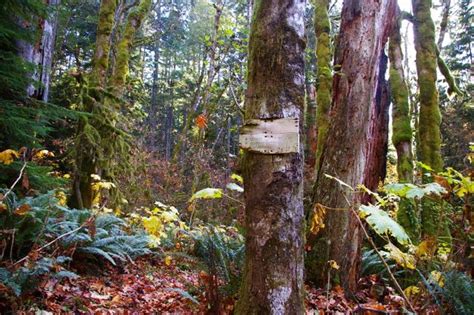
x: 86, y: 157
x: 273, y: 272
x: 353, y: 133
x: 322, y: 27
x: 402, y: 131
x: 432, y: 222
x: 100, y: 144
x: 426, y: 62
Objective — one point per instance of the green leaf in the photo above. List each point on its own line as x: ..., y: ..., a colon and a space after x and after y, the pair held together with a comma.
x: 207, y: 193
x: 382, y: 223
x: 411, y: 191
x: 234, y: 187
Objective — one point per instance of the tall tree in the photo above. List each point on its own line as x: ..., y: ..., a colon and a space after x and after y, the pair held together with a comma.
x: 354, y: 131
x: 426, y: 63
x: 322, y: 26
x: 99, y: 136
x: 273, y: 272
x: 432, y: 224
x: 402, y: 131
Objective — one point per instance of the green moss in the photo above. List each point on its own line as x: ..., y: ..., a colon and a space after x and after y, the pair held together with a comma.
x: 134, y: 21
x: 426, y: 64
x: 322, y: 26
x: 402, y: 131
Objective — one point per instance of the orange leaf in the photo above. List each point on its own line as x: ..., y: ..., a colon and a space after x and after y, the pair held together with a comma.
x: 201, y: 121
x: 23, y: 209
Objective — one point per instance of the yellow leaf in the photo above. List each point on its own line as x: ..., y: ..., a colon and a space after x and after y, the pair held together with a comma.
x: 43, y: 153
x: 62, y: 198
x: 3, y: 207
x: 153, y: 225
x: 66, y: 176
x: 403, y: 259
x: 168, y: 260
x: 426, y: 248
x: 95, y: 177
x: 412, y: 291
x: 317, y: 221
x: 7, y: 156
x: 333, y: 264
x: 437, y: 277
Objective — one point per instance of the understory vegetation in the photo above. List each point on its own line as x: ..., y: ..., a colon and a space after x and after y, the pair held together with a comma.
x: 236, y: 156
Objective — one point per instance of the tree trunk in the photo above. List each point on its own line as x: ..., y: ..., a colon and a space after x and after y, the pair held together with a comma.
x: 153, y: 111
x: 322, y: 27
x: 99, y: 137
x: 426, y: 62
x: 85, y: 159
x: 353, y: 134
x: 433, y: 223
x: 273, y: 273
x: 402, y: 131
x: 311, y: 128
x: 41, y: 54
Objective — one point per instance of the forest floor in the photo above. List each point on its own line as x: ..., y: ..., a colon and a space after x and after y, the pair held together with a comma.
x: 154, y: 285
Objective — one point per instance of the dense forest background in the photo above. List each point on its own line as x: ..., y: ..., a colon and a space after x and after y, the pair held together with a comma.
x: 123, y: 185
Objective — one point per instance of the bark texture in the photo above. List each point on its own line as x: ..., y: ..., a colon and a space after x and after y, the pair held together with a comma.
x: 353, y: 131
x: 273, y: 274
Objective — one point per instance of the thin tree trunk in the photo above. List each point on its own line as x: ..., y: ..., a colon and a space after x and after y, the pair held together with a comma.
x: 365, y: 26
x: 153, y: 112
x: 322, y: 27
x: 273, y: 272
x: 426, y: 63
x: 430, y: 116
x: 402, y: 131
x: 444, y: 23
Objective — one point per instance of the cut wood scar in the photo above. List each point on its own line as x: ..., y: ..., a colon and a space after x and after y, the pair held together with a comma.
x: 271, y: 136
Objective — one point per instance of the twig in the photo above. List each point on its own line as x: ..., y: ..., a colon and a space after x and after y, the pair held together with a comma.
x: 233, y: 199
x: 14, y: 183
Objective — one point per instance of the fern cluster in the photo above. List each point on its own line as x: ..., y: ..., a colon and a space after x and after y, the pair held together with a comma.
x: 41, y: 220
x: 221, y: 255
